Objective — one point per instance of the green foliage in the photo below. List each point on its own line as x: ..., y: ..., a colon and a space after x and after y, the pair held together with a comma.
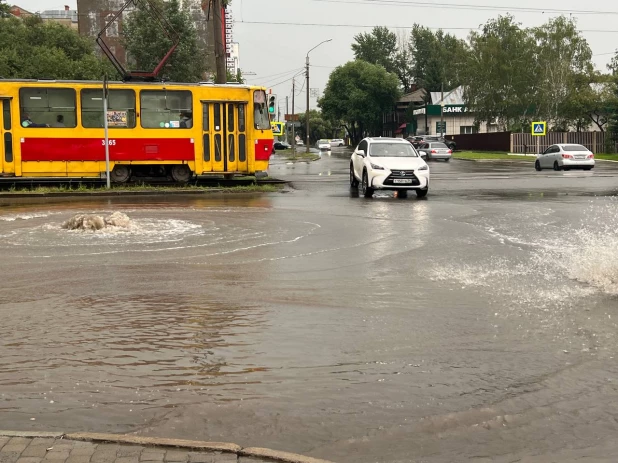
x: 515, y: 75
x: 438, y: 58
x: 382, y: 47
x: 33, y: 49
x: 320, y: 127
x: 5, y: 9
x: 613, y: 116
x: 564, y: 72
x: 501, y: 73
x: 358, y: 93
x: 238, y: 78
x: 146, y: 44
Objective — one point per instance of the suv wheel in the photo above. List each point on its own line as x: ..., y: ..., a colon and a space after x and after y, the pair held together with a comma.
x: 353, y: 180
x: 367, y: 190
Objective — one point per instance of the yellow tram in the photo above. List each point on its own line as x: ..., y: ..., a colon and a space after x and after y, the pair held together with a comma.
x: 56, y: 129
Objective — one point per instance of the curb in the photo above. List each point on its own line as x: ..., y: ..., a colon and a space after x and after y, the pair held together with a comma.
x: 252, y: 452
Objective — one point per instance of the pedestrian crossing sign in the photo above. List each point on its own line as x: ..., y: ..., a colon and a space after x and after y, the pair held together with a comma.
x: 539, y: 129
x: 278, y: 128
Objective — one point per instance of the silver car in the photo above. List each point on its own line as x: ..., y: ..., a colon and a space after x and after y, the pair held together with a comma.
x: 565, y: 156
x: 435, y: 150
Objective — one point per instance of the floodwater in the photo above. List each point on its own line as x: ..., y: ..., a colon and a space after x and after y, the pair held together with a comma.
x: 470, y: 326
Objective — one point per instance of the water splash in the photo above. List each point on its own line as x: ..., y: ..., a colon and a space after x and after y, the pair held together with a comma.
x: 96, y: 222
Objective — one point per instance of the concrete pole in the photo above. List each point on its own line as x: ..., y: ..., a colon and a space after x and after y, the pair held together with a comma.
x: 442, y: 112
x: 307, y: 114
x: 293, y: 121
x: 219, y: 45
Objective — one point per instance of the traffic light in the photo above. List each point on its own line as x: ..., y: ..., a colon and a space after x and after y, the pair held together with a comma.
x: 272, y: 105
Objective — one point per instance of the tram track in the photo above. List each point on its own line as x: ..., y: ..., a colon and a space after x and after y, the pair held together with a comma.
x: 19, y: 183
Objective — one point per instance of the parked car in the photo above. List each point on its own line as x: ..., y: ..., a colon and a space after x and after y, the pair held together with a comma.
x: 323, y: 145
x: 281, y: 145
x: 435, y: 150
x: 565, y: 156
x: 337, y: 142
x: 388, y: 164
x: 418, y: 139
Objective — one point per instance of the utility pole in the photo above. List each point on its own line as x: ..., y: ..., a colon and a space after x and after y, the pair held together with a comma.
x: 307, y: 83
x: 287, y: 111
x: 219, y: 45
x: 293, y: 121
x: 307, y: 115
x: 442, y: 112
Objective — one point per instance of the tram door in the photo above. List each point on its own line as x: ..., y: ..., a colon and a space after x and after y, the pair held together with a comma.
x: 225, y: 136
x: 7, y: 158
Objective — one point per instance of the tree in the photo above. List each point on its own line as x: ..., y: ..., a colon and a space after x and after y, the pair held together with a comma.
x: 237, y: 78
x: 320, y: 126
x: 147, y: 45
x: 385, y: 48
x: 438, y: 60
x: 565, y: 71
x: 33, y: 49
x: 358, y: 93
x: 500, y: 75
x: 5, y: 9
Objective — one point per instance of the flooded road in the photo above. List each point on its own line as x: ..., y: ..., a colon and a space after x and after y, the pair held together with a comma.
x: 476, y: 325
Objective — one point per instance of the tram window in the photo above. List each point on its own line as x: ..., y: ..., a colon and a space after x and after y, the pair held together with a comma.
x: 242, y: 149
x: 260, y: 111
x: 205, y: 110
x: 8, y: 147
x: 163, y: 108
x: 6, y: 114
x: 43, y: 106
x: 241, y: 118
x: 120, y: 107
x: 230, y: 117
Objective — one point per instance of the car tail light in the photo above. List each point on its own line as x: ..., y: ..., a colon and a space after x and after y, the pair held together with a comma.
x: 434, y: 152
x: 591, y: 156
x: 450, y: 152
x: 567, y: 156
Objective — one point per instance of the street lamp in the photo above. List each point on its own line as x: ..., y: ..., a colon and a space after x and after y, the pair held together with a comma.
x: 307, y: 72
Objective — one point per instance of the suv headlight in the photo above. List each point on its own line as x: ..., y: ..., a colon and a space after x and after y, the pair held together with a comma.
x: 376, y: 167
x: 425, y: 167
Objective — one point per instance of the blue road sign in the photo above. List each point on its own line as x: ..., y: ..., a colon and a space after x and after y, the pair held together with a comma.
x: 539, y: 129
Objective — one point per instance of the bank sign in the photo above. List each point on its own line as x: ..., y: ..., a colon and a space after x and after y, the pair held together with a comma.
x: 435, y: 110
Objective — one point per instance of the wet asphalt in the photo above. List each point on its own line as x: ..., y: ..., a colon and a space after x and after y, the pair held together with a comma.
x: 478, y: 324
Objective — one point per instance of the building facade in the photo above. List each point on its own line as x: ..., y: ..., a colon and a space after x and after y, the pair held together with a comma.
x: 412, y: 116
x: 448, y: 115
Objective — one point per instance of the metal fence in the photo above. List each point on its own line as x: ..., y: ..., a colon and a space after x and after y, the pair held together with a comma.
x: 497, y: 141
x: 594, y: 141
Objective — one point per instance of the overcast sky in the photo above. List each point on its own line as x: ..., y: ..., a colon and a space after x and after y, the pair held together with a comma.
x: 276, y: 52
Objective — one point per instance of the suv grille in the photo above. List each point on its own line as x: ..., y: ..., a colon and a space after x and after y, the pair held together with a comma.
x: 402, y: 174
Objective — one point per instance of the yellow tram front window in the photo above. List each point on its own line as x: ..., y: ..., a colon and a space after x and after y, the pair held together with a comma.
x: 120, y: 108
x: 47, y: 107
x: 164, y: 109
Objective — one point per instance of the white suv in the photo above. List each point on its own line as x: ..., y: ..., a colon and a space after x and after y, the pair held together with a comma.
x: 388, y: 164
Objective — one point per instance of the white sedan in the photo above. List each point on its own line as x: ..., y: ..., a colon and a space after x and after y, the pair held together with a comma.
x: 565, y: 156
x: 388, y: 164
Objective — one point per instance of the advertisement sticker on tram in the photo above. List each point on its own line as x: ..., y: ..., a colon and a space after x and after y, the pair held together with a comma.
x: 117, y: 118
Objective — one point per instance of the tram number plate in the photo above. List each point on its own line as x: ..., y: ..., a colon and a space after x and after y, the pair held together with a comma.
x: 402, y: 180
x: 109, y: 142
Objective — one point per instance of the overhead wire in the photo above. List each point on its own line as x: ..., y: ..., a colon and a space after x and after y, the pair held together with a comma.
x: 371, y: 26
x: 468, y: 6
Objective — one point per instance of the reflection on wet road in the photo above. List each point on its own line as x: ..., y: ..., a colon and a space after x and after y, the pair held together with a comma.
x: 476, y: 325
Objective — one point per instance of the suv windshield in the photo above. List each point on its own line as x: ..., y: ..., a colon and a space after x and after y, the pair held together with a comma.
x: 392, y: 150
